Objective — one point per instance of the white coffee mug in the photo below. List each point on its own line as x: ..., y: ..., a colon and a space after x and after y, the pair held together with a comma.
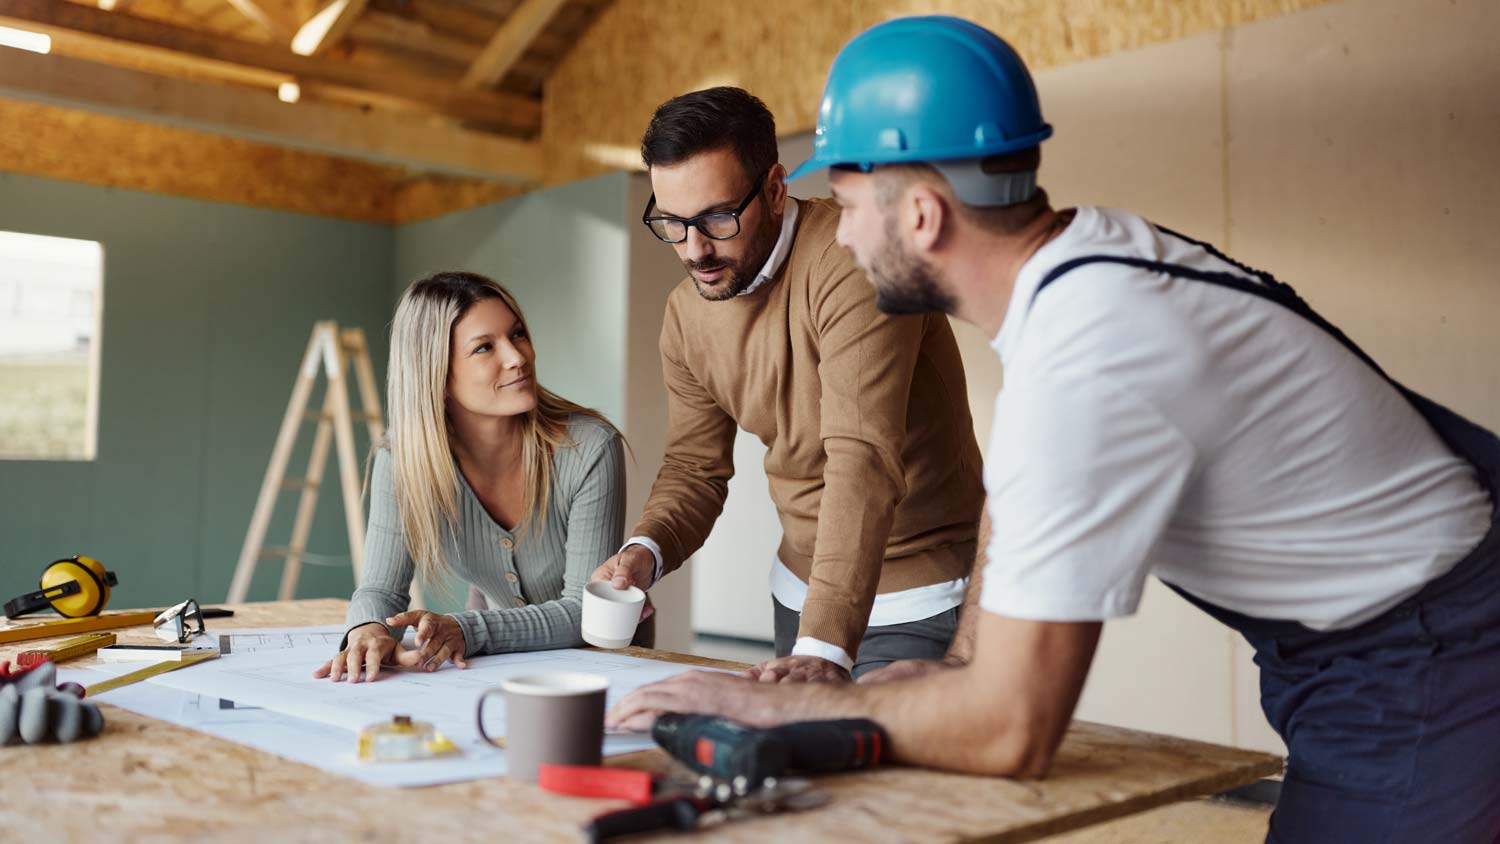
x: 610, y: 615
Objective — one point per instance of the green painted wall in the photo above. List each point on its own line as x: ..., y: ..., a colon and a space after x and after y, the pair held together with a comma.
x: 563, y: 252
x: 207, y: 309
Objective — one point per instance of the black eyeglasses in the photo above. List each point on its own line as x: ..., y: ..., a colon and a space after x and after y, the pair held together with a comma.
x: 718, y: 225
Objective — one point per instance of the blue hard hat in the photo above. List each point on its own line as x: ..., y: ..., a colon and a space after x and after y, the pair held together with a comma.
x: 931, y: 88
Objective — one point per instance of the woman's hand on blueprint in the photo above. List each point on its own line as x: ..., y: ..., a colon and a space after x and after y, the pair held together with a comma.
x: 439, y: 639
x: 369, y: 647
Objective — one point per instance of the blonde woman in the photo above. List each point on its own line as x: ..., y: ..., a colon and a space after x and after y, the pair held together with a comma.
x: 486, y: 476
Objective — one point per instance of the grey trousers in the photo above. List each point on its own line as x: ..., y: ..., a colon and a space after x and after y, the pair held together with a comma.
x: 927, y: 638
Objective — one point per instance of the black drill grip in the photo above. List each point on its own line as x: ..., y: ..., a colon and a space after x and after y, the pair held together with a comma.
x: 728, y: 750
x: 830, y: 746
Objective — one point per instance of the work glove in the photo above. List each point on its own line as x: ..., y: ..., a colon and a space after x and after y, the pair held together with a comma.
x: 35, y: 709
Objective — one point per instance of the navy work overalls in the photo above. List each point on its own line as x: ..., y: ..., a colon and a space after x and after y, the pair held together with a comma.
x: 1392, y: 726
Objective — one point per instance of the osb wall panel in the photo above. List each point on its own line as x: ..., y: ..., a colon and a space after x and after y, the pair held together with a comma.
x: 421, y: 198
x: 642, y: 52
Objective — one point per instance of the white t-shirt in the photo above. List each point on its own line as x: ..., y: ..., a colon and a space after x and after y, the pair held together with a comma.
x: 1153, y: 424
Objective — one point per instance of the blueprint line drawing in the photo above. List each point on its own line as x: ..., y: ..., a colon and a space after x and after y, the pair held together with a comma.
x: 264, y: 695
x: 250, y: 640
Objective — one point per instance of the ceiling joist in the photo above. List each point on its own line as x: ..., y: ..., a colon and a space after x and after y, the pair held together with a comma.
x: 509, y: 43
x: 209, y: 54
x: 225, y: 109
x: 327, y: 27
x: 270, y: 20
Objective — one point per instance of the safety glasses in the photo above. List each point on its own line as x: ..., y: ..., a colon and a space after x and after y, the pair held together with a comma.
x: 180, y: 623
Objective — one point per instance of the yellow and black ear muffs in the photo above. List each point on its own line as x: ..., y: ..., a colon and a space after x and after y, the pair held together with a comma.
x: 75, y: 587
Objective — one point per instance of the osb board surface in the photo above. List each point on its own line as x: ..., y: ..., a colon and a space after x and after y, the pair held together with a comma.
x: 81, y: 146
x: 640, y: 53
x: 1207, y: 821
x: 146, y: 781
x: 432, y: 196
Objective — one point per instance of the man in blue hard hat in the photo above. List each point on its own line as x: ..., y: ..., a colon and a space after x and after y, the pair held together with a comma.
x: 1166, y: 411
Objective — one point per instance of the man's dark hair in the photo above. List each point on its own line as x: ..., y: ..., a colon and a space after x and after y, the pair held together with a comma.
x: 711, y: 119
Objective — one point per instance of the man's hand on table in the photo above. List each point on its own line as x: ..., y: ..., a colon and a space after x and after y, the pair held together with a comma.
x: 710, y: 693
x: 798, y: 669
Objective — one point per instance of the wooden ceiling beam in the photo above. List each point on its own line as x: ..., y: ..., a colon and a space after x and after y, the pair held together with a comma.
x: 210, y: 53
x: 271, y: 21
x: 395, y: 31
x: 510, y: 42
x: 468, y: 23
x: 254, y: 115
x: 168, y: 63
x: 459, y: 21
x: 380, y: 37
x: 327, y: 27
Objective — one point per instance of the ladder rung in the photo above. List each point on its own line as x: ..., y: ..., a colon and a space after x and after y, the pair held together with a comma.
x: 354, y: 415
x: 299, y: 483
x: 273, y: 552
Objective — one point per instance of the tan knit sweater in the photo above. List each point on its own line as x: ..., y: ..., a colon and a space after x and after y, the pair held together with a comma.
x: 872, y: 461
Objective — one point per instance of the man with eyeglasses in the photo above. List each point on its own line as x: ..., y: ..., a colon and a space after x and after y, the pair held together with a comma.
x: 871, y: 457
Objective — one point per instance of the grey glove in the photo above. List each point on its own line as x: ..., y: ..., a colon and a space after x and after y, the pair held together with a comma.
x: 33, y: 708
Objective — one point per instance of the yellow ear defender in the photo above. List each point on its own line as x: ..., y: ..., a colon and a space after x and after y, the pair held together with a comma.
x: 75, y: 587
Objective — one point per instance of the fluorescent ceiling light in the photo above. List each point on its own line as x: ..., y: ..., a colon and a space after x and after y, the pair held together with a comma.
x: 36, y: 42
x: 289, y: 92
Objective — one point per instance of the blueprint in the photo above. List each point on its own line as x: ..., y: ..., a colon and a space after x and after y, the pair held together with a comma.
x: 264, y: 695
x: 282, y: 680
x: 250, y: 640
x: 309, y: 742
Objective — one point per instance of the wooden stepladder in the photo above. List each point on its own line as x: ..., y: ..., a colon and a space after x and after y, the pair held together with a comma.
x: 333, y: 350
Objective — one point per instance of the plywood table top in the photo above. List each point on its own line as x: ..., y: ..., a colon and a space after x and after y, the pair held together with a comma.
x: 144, y: 781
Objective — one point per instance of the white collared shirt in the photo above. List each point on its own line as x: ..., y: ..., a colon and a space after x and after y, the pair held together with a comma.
x: 1158, y: 425
x: 779, y: 252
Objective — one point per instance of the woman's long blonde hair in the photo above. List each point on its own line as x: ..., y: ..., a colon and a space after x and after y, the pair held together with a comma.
x: 422, y: 464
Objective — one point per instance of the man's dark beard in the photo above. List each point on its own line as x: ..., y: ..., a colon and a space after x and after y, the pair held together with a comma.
x: 733, y: 283
x: 905, y: 284
x: 738, y: 278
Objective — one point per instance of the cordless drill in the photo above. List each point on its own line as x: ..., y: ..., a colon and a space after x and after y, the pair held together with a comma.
x: 729, y: 750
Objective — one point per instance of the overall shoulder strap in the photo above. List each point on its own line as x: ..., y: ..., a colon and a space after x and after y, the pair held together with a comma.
x: 1266, y: 286
x: 1473, y: 442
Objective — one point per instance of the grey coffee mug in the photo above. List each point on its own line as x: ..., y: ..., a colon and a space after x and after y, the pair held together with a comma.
x: 555, y: 718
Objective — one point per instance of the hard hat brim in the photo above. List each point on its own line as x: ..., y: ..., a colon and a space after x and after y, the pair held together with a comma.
x: 811, y: 165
